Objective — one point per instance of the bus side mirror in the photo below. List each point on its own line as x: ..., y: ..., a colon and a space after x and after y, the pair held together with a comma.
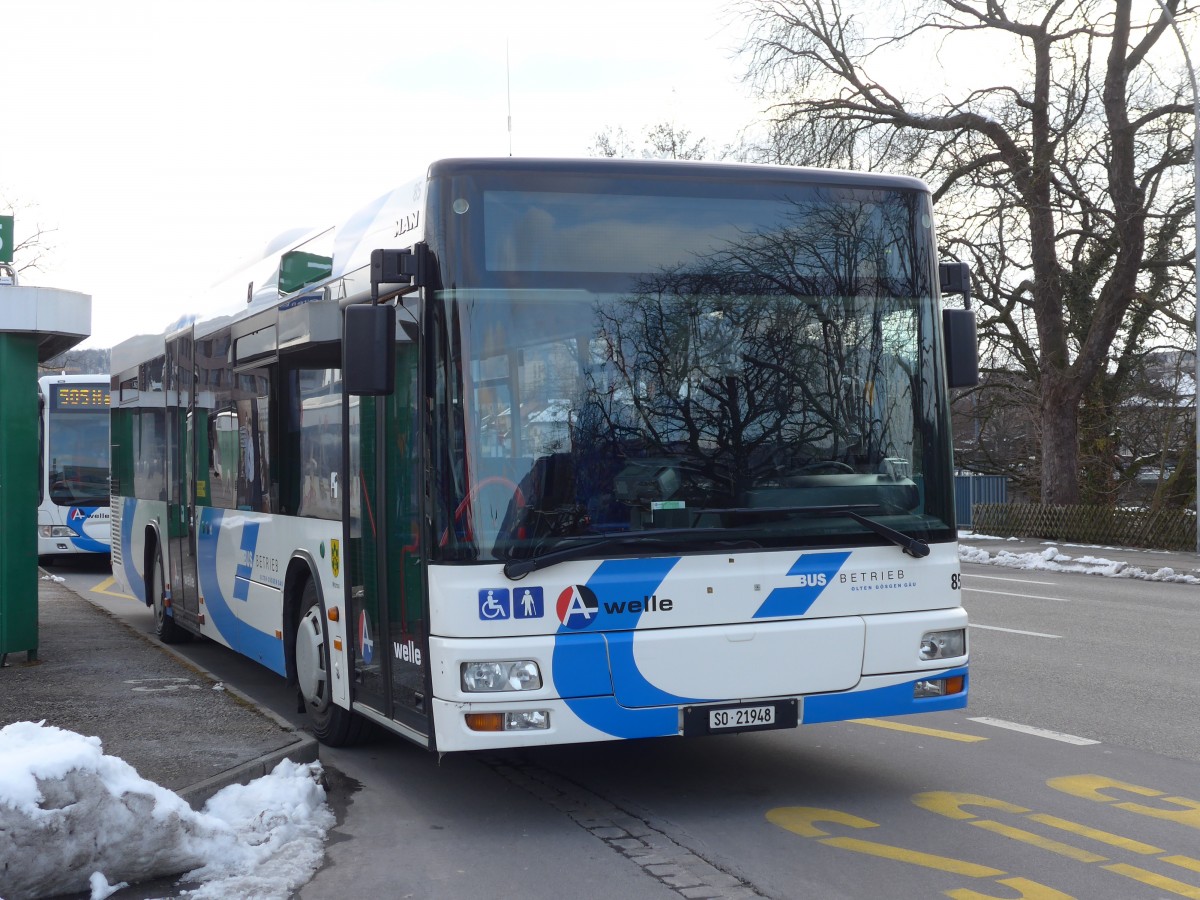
x: 955, y: 278
x: 958, y: 327
x: 369, y: 350
x: 962, y: 354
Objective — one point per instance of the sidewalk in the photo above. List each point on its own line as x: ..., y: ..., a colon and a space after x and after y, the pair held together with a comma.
x: 167, y: 718
x: 1181, y: 562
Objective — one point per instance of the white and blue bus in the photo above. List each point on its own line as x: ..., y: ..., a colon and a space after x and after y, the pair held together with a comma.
x: 73, y: 451
x: 538, y: 452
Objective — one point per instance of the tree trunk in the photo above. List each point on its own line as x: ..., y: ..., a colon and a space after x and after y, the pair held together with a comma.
x: 1060, y: 440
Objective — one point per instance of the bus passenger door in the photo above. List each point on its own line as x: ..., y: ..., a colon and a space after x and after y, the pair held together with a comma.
x: 181, y: 467
x: 387, y: 590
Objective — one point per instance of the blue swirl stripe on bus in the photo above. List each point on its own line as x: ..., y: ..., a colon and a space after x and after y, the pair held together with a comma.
x: 137, y: 583
x: 245, y: 567
x: 614, y: 583
x: 259, y: 645
x: 894, y: 700
x: 77, y: 517
x: 813, y: 573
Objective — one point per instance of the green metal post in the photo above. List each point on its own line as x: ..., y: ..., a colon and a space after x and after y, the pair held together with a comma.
x: 18, y: 494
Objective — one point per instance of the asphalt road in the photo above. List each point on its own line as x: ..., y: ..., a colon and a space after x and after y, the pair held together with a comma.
x: 1111, y: 659
x: 1072, y: 774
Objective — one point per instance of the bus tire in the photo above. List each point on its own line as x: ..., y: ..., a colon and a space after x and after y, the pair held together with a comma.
x: 166, y: 629
x: 331, y: 724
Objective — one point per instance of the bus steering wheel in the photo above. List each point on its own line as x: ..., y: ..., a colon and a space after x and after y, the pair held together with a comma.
x: 473, y: 496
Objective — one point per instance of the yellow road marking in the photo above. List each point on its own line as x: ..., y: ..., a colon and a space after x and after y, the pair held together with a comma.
x: 1159, y: 882
x: 103, y: 588
x: 913, y: 857
x: 918, y: 729
x: 806, y: 821
x: 1089, y: 788
x: 1028, y: 890
x: 950, y: 804
x: 1036, y: 840
x: 1095, y: 834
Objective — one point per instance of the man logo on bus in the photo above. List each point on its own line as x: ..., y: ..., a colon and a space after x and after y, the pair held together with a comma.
x: 577, y: 606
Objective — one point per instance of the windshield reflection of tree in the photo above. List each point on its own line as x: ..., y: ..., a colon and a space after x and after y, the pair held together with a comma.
x: 786, y: 356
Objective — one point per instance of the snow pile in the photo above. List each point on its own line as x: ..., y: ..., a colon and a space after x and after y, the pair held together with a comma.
x: 73, y: 819
x: 1053, y: 560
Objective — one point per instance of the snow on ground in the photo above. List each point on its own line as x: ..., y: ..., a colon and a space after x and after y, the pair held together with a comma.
x: 73, y: 820
x: 1054, y: 560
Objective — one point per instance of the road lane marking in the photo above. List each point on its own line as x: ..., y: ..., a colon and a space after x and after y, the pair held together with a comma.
x: 1088, y: 787
x: 1019, y: 596
x: 953, y: 805
x: 1036, y: 840
x: 1025, y: 888
x: 1159, y: 882
x: 919, y: 729
x: 1016, y: 631
x: 913, y: 857
x: 1036, y: 732
x: 805, y: 821
x: 103, y: 588
x: 1016, y: 580
x: 1095, y: 834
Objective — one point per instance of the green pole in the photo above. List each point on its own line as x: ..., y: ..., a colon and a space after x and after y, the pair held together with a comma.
x: 18, y: 494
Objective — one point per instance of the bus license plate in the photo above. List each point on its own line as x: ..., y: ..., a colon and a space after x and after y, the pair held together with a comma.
x: 742, y: 717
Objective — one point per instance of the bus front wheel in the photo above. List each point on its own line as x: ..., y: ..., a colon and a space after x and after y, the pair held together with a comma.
x: 331, y: 724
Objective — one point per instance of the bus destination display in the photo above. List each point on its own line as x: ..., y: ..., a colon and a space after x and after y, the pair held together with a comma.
x: 78, y: 397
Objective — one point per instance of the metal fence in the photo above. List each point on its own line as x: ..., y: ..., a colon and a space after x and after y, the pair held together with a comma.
x: 970, y: 490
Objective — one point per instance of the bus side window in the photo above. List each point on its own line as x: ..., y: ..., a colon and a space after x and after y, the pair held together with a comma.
x: 320, y: 393
x: 254, y: 473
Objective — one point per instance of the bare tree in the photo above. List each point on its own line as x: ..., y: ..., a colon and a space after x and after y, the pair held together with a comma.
x: 663, y: 141
x: 31, y: 247
x: 1068, y: 190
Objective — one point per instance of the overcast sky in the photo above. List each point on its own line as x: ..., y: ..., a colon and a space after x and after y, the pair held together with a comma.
x: 167, y: 142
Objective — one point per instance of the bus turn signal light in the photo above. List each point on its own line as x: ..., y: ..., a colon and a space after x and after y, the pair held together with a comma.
x: 485, y: 721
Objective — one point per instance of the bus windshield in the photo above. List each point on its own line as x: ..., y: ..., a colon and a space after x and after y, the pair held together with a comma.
x: 77, y: 444
x: 751, y: 370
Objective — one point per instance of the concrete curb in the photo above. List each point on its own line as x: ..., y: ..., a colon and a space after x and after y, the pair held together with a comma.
x: 300, y: 747
x: 303, y: 750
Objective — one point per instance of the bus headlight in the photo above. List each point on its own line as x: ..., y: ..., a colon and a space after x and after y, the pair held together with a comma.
x: 55, y: 531
x: 943, y: 644
x: 490, y: 676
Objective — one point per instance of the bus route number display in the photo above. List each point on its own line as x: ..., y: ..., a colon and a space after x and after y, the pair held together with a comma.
x: 78, y: 397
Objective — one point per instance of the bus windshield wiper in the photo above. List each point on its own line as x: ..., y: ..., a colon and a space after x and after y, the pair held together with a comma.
x: 516, y: 569
x: 909, y: 545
